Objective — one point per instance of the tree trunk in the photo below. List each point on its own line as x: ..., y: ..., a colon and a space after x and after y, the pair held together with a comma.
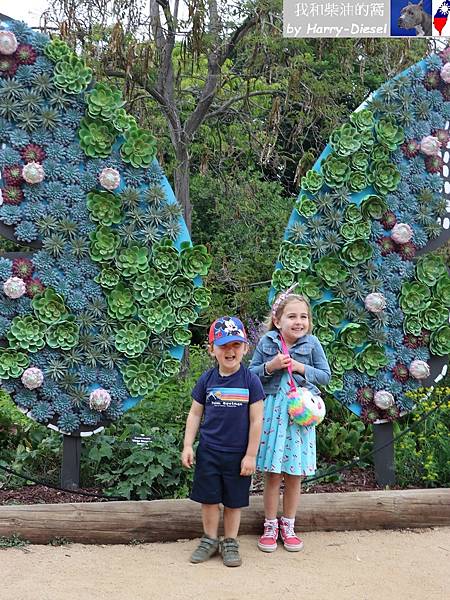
x: 181, y: 180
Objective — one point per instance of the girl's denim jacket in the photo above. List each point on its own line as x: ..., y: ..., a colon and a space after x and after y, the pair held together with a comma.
x: 306, y: 350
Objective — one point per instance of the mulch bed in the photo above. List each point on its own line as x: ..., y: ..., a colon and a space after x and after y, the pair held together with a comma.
x: 351, y: 480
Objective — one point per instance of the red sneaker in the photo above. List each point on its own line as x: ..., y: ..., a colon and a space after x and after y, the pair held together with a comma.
x: 291, y: 541
x: 268, y: 541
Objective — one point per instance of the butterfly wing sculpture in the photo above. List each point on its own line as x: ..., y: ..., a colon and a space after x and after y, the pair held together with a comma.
x: 96, y: 315
x: 373, y: 205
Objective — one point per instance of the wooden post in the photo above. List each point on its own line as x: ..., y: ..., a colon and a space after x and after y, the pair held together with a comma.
x: 383, y: 448
x: 70, y: 468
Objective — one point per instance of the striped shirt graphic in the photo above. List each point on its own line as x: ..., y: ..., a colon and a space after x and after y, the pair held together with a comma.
x: 226, y: 394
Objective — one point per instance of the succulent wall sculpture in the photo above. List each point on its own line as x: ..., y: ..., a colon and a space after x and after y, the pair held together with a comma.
x: 373, y: 203
x: 97, y: 317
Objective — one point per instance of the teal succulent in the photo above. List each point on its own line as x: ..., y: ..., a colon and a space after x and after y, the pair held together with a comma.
x: 49, y: 307
x: 104, y: 207
x: 336, y: 171
x: 331, y: 270
x: 345, y: 140
x: 440, y: 341
x: 202, y: 297
x: 329, y: 313
x: 103, y: 101
x: 341, y: 358
x: 104, y: 244
x: 149, y: 286
x: 181, y: 336
x: 434, y: 316
x: 57, y: 50
x: 72, y: 75
x: 141, y: 376
x: 309, y: 285
x: 96, y: 138
x: 356, y: 252
x: 373, y: 206
x: 371, y: 359
x: 138, y: 148
x: 132, y: 339
x: 385, y: 177
x: 294, y: 257
x: 415, y: 297
x: 121, y: 302
x: 108, y: 278
x: 26, y: 333
x: 132, y: 261
x: 363, y: 120
x: 442, y: 290
x: 430, y: 268
x: 282, y: 279
x: 389, y: 134
x: 312, y: 181
x: 165, y: 257
x: 306, y: 206
x: 158, y: 316
x: 12, y: 363
x: 194, y: 260
x: 63, y: 335
x: 180, y: 291
x: 354, y: 334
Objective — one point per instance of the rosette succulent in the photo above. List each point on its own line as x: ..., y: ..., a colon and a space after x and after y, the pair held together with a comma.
x: 165, y: 257
x: 375, y: 302
x: 109, y: 178
x: 186, y: 315
x: 353, y: 231
x: 104, y: 207
x: 294, y: 257
x: 306, y: 206
x: 194, y: 260
x: 402, y: 233
x: 8, y: 42
x: 345, y: 140
x: 132, y: 261
x: 309, y: 285
x: 430, y: 145
x: 103, y: 101
x: 312, y: 181
x: 341, y: 358
x: 12, y: 363
x: 412, y: 324
x: 181, y: 336
x: 158, y: 316
x: 49, y: 307
x: 108, y: 278
x: 363, y: 120
x: 360, y: 161
x: 149, y: 286
x: 121, y: 302
x: 99, y: 400
x: 442, y: 290
x: 357, y: 181
x: 202, y: 296
x: 326, y: 335
x: 433, y: 316
x: 336, y: 170
x: 356, y: 252
x: 96, y: 138
x: 373, y: 206
x: 414, y: 297
x: 141, y: 376
x: 371, y: 359
x: 440, y: 341
x: 180, y: 291
x: 354, y: 334
x: 282, y: 279
x: 26, y: 333
x: 385, y: 177
x: 14, y: 287
x: 383, y: 399
x: 104, y: 244
x: 330, y: 269
x: 419, y: 369
x: 72, y: 75
x: 330, y: 313
x: 57, y: 50
x: 430, y: 268
x: 389, y: 134
x: 132, y: 339
x: 33, y: 173
x: 139, y: 147
x: 63, y: 335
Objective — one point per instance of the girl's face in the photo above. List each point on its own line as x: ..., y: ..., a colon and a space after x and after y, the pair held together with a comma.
x: 294, y: 321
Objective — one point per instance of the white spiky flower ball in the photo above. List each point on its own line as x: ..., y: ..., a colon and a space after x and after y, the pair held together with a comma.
x: 383, y: 399
x: 375, y: 302
x: 99, y: 399
x: 419, y: 369
x: 109, y: 178
x: 430, y: 145
x: 33, y: 172
x: 402, y: 233
x: 8, y: 42
x: 14, y: 287
x: 32, y: 378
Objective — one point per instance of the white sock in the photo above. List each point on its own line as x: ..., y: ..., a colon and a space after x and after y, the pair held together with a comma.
x: 289, y: 522
x: 273, y: 522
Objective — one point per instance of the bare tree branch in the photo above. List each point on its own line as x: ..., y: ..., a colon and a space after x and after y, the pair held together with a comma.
x: 231, y: 101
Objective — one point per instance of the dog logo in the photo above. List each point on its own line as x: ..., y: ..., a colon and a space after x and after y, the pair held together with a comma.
x: 413, y: 16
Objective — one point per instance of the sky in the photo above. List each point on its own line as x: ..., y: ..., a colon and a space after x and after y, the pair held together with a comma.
x: 24, y: 10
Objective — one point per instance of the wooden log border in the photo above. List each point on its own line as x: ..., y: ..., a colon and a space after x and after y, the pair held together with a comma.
x: 170, y: 520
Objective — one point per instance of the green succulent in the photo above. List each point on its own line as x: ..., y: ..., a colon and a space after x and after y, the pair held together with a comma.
x: 108, y: 278
x: 371, y: 359
x: 345, y: 140
x: 105, y: 208
x: 440, y: 341
x: 121, y: 302
x: 373, y: 206
x: 132, y: 261
x: 363, y: 120
x: 331, y: 270
x: 104, y: 244
x: 352, y: 213
x: 294, y: 257
x: 202, y: 297
x: 49, y: 307
x: 367, y: 143
x: 149, y: 286
x: 360, y: 161
x: 305, y: 206
x: 430, y: 268
x: 380, y: 153
x: 103, y: 101
x: 282, y: 279
x: 312, y: 181
x: 330, y: 313
x: 356, y: 252
x: 415, y: 297
x: 309, y: 285
x: 336, y: 171
x: 354, y: 334
x: 63, y: 335
x: 354, y: 231
x: 169, y: 365
x: 159, y: 316
x: 138, y: 148
x: 180, y: 291
x: 186, y: 315
x: 132, y: 339
x: 335, y: 384
x: 442, y: 290
x: 140, y: 376
x: 181, y: 336
x: 57, y: 50
x: 358, y: 181
x: 389, y: 134
x: 434, y: 316
x: 165, y: 257
x: 194, y: 260
x: 71, y: 74
x: 341, y: 358
x: 326, y: 335
x: 12, y: 363
x: 26, y: 333
x: 412, y: 324
x: 122, y: 121
x: 385, y: 177
x: 96, y: 138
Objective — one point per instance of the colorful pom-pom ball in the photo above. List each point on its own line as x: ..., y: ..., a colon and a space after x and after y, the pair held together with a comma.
x: 430, y: 145
x: 14, y: 287
x: 32, y: 378
x: 383, y: 399
x: 375, y: 302
x: 8, y: 42
x: 445, y: 73
x: 1, y: 198
x: 33, y: 172
x: 99, y: 399
x: 109, y: 178
x: 402, y: 233
x: 419, y: 369
x: 305, y: 409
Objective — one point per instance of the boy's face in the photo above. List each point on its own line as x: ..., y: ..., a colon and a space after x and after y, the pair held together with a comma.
x: 229, y: 356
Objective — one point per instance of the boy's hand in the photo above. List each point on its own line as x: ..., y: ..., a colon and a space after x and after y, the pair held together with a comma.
x: 187, y: 457
x: 281, y: 361
x: 248, y: 465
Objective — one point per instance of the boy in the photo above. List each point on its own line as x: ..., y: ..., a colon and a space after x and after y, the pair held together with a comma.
x: 227, y: 401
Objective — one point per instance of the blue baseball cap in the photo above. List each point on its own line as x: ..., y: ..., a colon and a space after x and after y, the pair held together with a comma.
x: 225, y: 330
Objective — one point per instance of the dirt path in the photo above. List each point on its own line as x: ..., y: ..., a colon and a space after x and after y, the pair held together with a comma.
x: 356, y: 565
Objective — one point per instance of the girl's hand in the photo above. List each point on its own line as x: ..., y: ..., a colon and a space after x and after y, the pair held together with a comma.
x: 187, y: 457
x: 298, y: 367
x: 280, y: 361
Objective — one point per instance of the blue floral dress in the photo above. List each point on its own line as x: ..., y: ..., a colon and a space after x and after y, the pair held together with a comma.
x: 285, y: 447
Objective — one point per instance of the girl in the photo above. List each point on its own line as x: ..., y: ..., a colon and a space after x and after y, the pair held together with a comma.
x: 286, y: 450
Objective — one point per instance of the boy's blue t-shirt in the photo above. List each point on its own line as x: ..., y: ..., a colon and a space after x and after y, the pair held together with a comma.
x: 226, y: 400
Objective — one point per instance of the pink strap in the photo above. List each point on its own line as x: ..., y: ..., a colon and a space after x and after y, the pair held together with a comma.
x: 291, y: 379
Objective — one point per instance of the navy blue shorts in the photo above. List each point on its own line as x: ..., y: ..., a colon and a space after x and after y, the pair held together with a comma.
x: 217, y: 478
